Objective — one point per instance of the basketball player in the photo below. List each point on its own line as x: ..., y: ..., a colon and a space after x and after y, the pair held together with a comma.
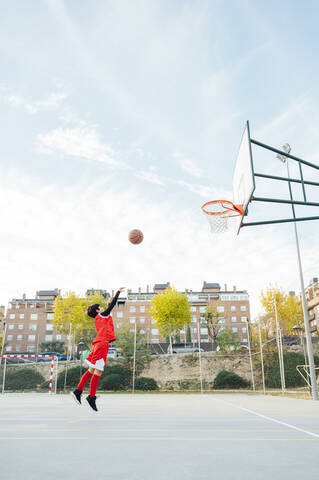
x: 97, y: 358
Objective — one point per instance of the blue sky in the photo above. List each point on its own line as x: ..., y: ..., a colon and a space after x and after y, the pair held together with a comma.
x: 128, y: 114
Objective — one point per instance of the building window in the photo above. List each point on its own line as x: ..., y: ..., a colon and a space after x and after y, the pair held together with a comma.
x: 234, y: 319
x: 245, y: 340
x: 194, y: 330
x: 9, y: 337
x: 18, y: 348
x: 243, y: 308
x: 48, y: 338
x: 155, y: 340
x: 154, y: 331
x: 132, y: 320
x: 193, y: 309
x: 31, y: 338
x: 142, y: 320
x: 8, y: 348
x: 118, y: 325
x: 220, y: 309
x: 19, y: 337
x: 204, y: 330
x: 234, y: 329
x: 34, y: 316
x: 32, y: 326
x: 233, y: 308
x: 21, y: 315
x: 132, y: 309
x: 10, y: 326
x: 244, y: 319
x: 221, y: 320
x: 30, y: 348
x: 142, y: 308
x: 119, y: 314
x: 131, y: 329
x: 20, y: 326
x: 12, y: 315
x: 244, y: 329
x: 49, y: 327
x: 202, y: 309
x: 50, y: 316
x: 58, y: 336
x: 17, y: 307
x: 142, y: 331
x: 194, y: 319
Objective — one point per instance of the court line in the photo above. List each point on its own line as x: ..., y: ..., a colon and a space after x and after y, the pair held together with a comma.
x: 175, y: 439
x: 270, y: 418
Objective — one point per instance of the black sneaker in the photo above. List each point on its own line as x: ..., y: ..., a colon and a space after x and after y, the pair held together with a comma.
x: 77, y: 396
x: 91, y: 402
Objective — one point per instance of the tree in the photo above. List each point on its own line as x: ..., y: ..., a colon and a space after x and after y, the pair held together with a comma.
x: 227, y: 340
x: 71, y: 310
x: 289, y: 309
x: 125, y: 343
x: 57, y: 346
x: 171, y: 311
x: 212, y: 322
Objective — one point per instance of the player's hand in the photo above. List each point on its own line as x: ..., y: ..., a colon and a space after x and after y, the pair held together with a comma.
x: 121, y: 289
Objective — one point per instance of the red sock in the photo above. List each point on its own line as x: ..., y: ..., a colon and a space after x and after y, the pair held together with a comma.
x: 93, y: 385
x: 84, y: 379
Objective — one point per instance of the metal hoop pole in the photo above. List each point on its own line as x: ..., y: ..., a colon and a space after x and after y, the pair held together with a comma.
x: 261, y: 357
x: 134, y: 359
x: 200, y: 358
x: 4, y: 373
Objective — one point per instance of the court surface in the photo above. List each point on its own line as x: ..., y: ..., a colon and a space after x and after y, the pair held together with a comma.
x: 174, y: 436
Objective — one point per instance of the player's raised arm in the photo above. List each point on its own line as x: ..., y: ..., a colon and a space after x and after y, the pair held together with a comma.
x: 112, y: 303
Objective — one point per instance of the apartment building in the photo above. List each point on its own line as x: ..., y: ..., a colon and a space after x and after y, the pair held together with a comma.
x: 232, y: 307
x: 312, y: 297
x: 29, y: 322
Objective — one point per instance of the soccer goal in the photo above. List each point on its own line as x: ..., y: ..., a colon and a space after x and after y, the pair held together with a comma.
x: 28, y: 372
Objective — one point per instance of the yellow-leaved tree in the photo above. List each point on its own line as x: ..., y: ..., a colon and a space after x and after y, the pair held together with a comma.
x: 71, y: 310
x: 289, y: 310
x: 171, y: 312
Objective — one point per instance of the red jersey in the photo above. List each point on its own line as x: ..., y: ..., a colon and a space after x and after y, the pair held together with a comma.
x: 104, y: 328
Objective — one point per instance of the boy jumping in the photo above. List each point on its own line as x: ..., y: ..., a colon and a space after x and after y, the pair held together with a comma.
x: 100, y: 347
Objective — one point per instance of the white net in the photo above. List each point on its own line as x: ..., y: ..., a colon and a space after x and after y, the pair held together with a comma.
x: 217, y: 223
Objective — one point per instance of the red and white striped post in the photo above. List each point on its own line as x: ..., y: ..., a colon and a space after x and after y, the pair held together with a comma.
x: 33, y: 356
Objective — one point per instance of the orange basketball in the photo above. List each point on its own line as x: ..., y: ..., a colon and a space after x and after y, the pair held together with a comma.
x: 135, y: 236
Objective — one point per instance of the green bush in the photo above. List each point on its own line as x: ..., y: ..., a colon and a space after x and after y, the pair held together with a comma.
x: 23, y: 379
x: 72, y: 377
x: 121, y: 378
x: 292, y: 377
x: 111, y: 382
x: 226, y: 379
x: 124, y: 373
x: 145, y: 383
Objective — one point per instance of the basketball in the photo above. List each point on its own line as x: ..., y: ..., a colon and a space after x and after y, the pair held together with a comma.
x: 135, y: 236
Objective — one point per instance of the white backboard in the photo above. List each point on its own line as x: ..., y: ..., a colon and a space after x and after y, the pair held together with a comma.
x: 243, y: 179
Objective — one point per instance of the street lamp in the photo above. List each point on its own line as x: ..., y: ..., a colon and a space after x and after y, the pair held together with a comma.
x: 314, y: 388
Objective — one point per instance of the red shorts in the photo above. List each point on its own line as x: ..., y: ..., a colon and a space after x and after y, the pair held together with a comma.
x: 97, y: 357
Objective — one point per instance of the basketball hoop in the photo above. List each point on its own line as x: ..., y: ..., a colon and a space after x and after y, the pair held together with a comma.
x: 218, y: 212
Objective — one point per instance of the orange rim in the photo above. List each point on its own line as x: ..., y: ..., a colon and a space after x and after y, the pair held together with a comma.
x: 228, y: 207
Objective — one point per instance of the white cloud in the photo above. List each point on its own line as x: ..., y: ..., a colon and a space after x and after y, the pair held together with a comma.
x: 83, y: 142
x: 76, y: 238
x: 52, y: 101
x: 206, y: 191
x: 150, y: 176
x: 188, y: 165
